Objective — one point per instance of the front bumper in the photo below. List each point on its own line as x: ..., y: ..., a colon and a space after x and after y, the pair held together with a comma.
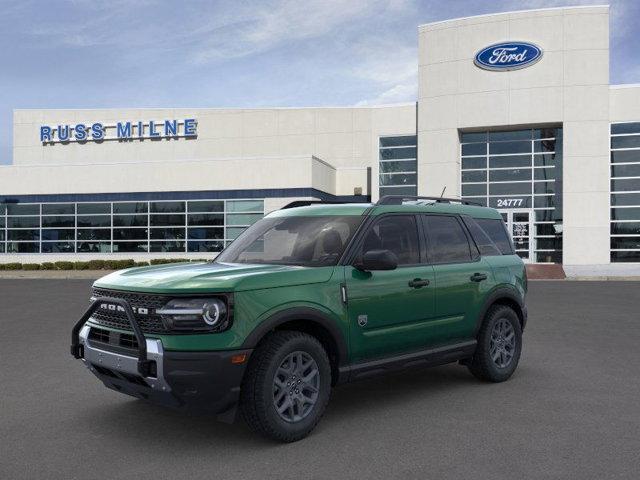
x: 203, y: 381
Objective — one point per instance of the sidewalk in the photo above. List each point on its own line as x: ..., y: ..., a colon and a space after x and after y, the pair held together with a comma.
x: 53, y: 274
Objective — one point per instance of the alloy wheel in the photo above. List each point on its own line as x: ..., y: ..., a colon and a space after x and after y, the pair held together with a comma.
x: 296, y: 386
x: 503, y: 343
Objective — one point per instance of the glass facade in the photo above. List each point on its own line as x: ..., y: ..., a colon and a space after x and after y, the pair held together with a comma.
x: 518, y: 172
x: 398, y: 165
x: 625, y: 192
x: 125, y: 227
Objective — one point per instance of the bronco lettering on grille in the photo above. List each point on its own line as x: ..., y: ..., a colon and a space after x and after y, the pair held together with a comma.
x: 118, y: 308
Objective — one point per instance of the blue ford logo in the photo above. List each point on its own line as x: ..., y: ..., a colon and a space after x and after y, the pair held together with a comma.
x: 508, y: 56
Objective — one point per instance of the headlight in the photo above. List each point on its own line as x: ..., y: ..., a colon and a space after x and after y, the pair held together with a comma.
x: 206, y: 314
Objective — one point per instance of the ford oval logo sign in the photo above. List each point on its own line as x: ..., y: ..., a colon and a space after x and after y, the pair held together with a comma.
x: 508, y: 56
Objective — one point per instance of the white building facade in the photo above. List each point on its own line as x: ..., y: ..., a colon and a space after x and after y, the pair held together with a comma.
x: 514, y: 111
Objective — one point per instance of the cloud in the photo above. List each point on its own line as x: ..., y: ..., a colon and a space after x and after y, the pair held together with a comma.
x: 394, y: 76
x: 403, y: 92
x: 273, y: 23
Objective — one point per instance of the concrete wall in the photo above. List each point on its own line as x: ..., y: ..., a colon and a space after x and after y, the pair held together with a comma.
x: 569, y: 85
x: 624, y: 103
x: 259, y: 143
x: 186, y: 175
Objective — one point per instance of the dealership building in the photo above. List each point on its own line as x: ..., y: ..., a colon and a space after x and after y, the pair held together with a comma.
x: 514, y: 111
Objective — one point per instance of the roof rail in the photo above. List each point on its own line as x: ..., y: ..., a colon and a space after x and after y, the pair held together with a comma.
x: 398, y: 199
x: 306, y: 203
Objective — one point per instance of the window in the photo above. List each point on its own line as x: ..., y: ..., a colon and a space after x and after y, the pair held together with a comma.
x: 497, y: 232
x: 398, y: 165
x: 94, y: 208
x: 447, y: 241
x: 625, y: 192
x: 315, y: 241
x: 485, y: 244
x: 145, y: 226
x: 396, y: 233
x: 520, y: 169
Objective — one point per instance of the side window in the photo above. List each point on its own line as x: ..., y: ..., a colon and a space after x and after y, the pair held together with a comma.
x: 397, y: 233
x: 447, y: 241
x: 486, y: 246
x: 497, y: 232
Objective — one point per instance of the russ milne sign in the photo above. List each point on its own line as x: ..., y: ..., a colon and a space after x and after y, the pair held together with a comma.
x: 96, y: 132
x: 508, y: 56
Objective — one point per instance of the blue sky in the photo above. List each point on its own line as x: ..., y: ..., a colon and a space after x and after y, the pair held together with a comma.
x: 144, y: 53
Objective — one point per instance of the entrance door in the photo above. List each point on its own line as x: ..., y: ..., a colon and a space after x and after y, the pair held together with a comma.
x: 520, y: 226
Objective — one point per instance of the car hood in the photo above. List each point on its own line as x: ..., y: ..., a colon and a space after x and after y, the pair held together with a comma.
x: 211, y: 277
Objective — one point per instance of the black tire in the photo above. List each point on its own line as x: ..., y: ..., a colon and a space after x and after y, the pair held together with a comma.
x: 258, y: 392
x: 483, y: 364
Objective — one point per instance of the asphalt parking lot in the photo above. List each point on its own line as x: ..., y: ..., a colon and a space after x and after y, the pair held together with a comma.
x: 572, y: 410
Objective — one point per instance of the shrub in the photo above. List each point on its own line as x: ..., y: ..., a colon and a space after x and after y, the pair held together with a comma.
x: 141, y: 264
x: 162, y: 261
x: 96, y: 264
x: 12, y: 266
x: 31, y: 266
x: 119, y: 264
x: 47, y: 266
x: 81, y: 265
x: 64, y: 265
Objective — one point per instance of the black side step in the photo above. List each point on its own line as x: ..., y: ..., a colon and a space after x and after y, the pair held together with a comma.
x: 424, y: 358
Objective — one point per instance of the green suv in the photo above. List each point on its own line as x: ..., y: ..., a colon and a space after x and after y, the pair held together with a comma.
x: 307, y: 298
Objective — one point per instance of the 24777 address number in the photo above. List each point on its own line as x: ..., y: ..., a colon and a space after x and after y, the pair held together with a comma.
x: 510, y: 202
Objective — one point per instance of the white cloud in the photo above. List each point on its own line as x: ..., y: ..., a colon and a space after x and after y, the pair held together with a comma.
x: 403, y: 92
x: 273, y: 23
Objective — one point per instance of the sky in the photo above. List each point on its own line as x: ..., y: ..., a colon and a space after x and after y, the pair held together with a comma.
x: 236, y: 53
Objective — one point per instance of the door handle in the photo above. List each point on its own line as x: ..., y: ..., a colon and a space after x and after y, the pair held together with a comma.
x: 418, y: 282
x: 478, y: 277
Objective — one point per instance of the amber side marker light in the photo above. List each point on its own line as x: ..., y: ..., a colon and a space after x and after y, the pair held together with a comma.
x: 238, y: 359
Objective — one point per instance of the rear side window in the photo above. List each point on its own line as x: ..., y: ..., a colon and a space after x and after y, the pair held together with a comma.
x: 485, y: 244
x: 447, y: 241
x: 397, y: 233
x: 497, y: 232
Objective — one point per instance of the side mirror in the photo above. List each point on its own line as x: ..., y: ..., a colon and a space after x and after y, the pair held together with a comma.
x: 377, y: 260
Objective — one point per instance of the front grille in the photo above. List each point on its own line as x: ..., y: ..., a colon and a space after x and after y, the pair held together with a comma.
x: 149, y: 323
x: 113, y: 341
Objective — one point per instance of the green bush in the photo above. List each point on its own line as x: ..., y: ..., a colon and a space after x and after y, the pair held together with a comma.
x: 162, y: 261
x: 96, y: 264
x: 12, y: 266
x: 141, y: 264
x: 118, y: 264
x: 47, y: 266
x: 31, y: 266
x: 81, y: 265
x: 64, y: 265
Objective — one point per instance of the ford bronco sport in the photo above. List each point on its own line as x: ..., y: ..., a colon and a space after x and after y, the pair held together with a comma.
x: 305, y: 299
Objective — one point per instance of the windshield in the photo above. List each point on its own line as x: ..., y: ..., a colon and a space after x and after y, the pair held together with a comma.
x: 313, y: 241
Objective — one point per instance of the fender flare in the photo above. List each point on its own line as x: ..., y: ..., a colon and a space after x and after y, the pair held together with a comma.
x: 300, y: 313
x: 499, y: 294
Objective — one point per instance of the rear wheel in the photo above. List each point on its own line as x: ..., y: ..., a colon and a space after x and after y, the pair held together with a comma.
x: 287, y: 386
x: 499, y: 345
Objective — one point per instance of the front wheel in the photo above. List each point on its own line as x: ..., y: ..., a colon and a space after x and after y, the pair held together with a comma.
x: 499, y: 345
x: 287, y: 385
